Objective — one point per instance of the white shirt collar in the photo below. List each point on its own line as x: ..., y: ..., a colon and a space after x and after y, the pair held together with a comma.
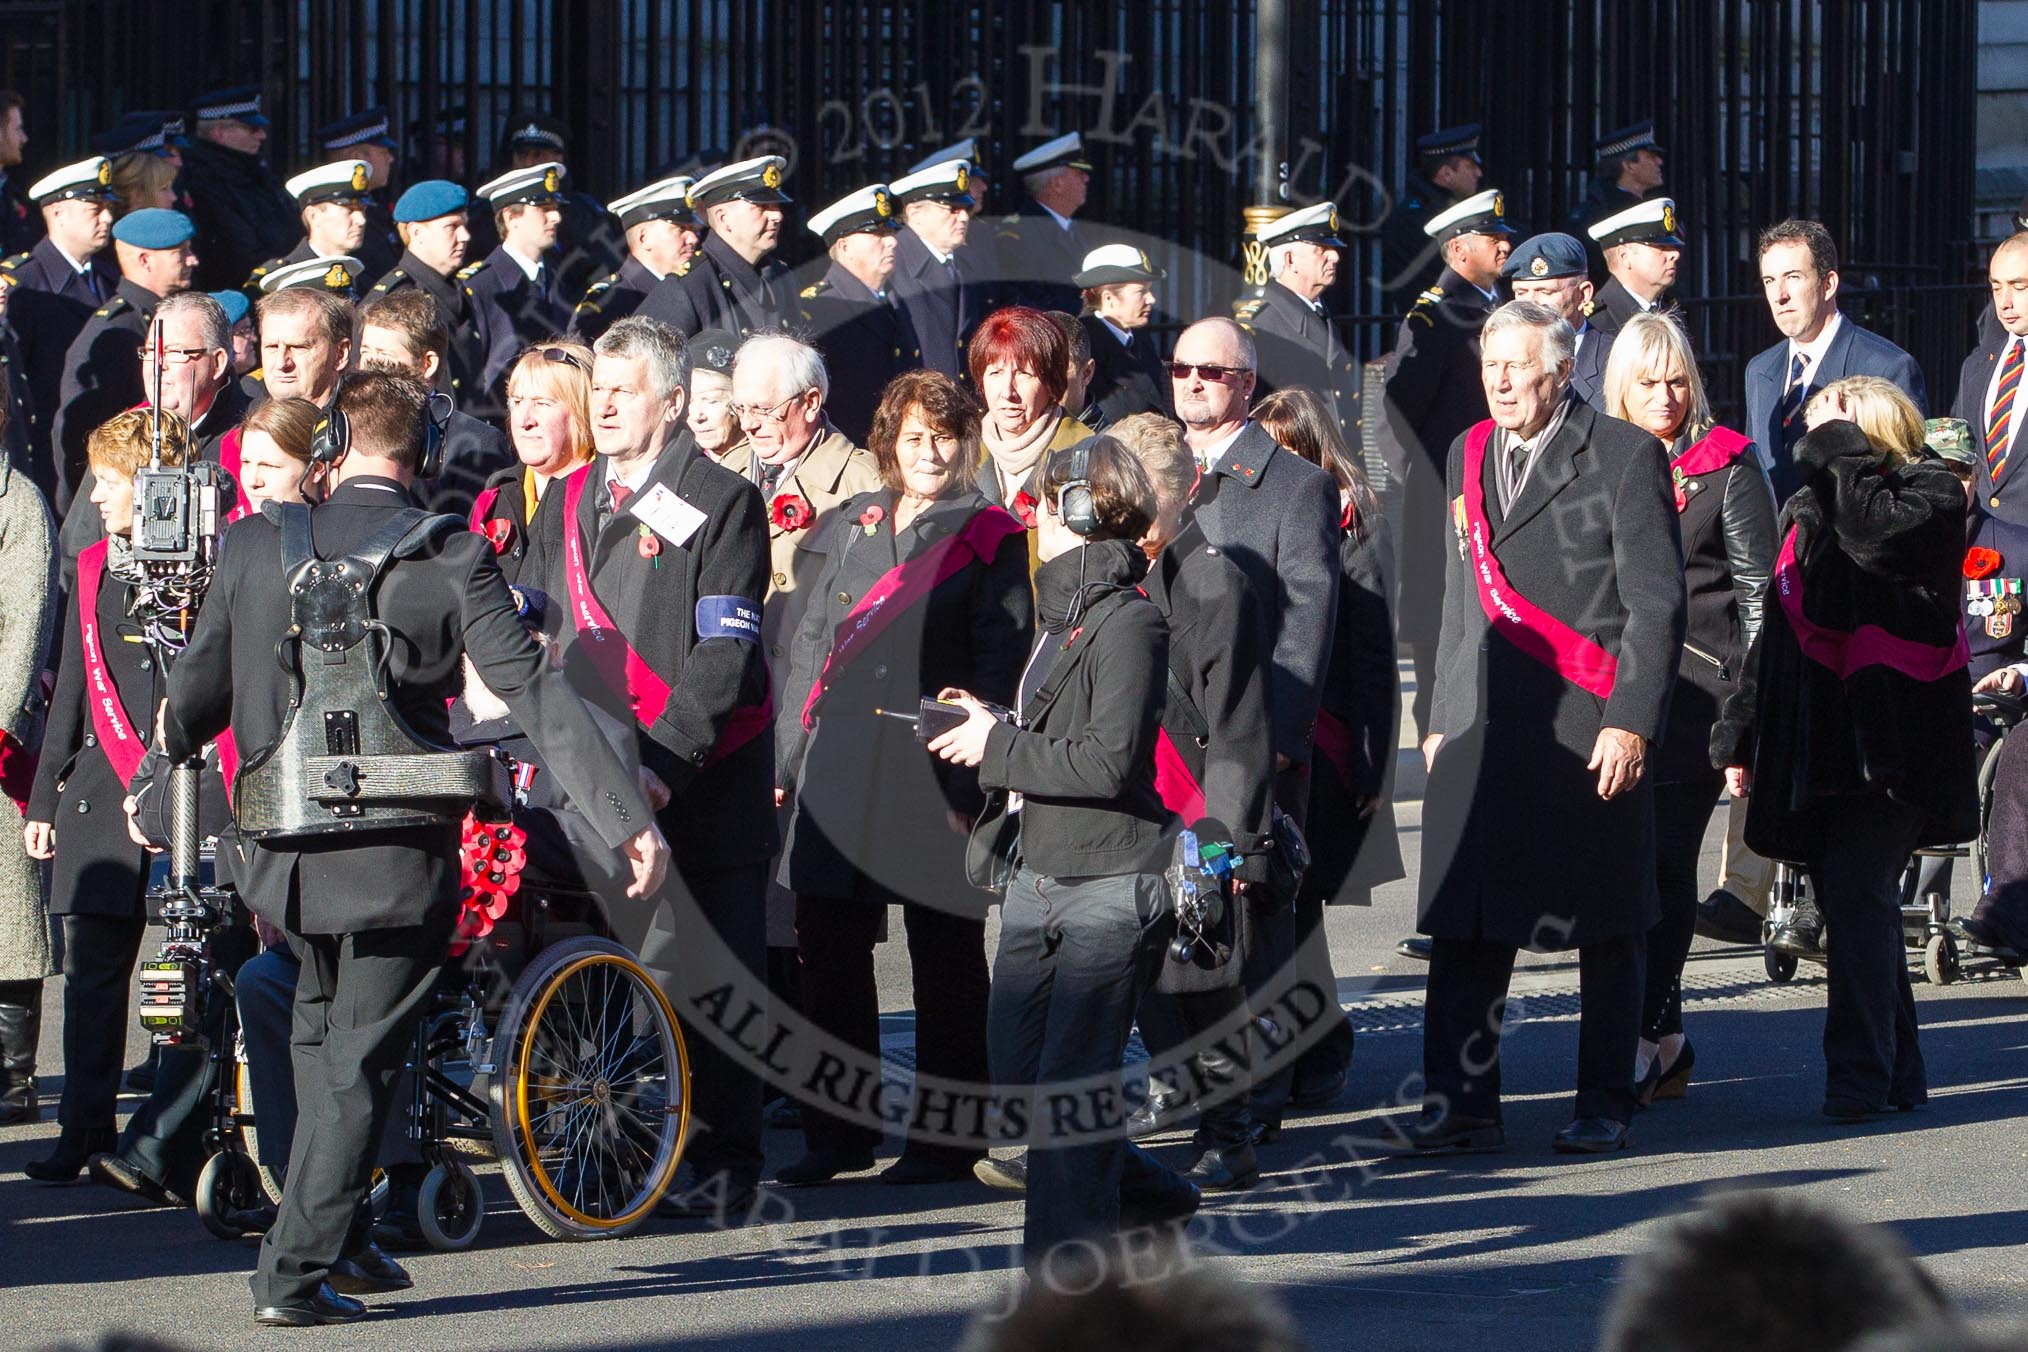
x: 1214, y: 452
x: 1118, y: 332
x: 1813, y: 352
x: 1062, y: 221
x: 79, y: 268
x: 633, y: 481
x: 531, y: 268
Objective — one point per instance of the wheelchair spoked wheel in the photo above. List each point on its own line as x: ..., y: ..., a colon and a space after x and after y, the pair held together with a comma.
x: 590, y: 1099
x: 229, y: 1183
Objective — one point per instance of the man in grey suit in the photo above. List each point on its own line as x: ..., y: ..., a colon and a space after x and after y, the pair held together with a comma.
x: 1799, y: 275
x: 1551, y: 269
x: 1276, y: 516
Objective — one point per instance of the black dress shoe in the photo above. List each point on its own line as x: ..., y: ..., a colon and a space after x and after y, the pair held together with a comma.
x: 922, y: 1169
x: 1225, y: 1169
x: 718, y: 1201
x: 1674, y: 1082
x: 1802, y: 934
x: 821, y: 1166
x: 1262, y: 1132
x: 1009, y: 1173
x: 1726, y: 918
x: 20, y: 1105
x: 325, y: 1307
x: 1318, y: 1091
x: 74, y: 1150
x: 397, y: 1229
x: 1592, y: 1136
x: 369, y: 1273
x: 1854, y: 1110
x: 1173, y: 1198
x: 115, y: 1172
x: 1416, y: 946
x: 1447, y: 1134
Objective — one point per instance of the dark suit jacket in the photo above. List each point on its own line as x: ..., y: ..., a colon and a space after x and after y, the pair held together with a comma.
x: 942, y: 315
x: 474, y: 452
x: 722, y: 291
x: 1853, y: 352
x: 1126, y: 378
x: 1035, y: 258
x: 1298, y: 346
x: 1518, y: 848
x: 1587, y: 371
x: 610, y: 299
x: 463, y: 375
x: 101, y: 377
x: 513, y: 311
x: 48, y: 303
x: 1614, y: 305
x: 530, y: 550
x: 1999, y: 519
x: 867, y: 340
x: 1276, y: 516
x: 723, y: 813
x: 445, y: 601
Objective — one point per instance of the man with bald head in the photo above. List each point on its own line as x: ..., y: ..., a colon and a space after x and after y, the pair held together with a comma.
x: 1276, y: 516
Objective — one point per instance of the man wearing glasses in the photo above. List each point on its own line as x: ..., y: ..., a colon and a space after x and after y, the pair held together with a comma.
x: 101, y: 377
x: 1276, y: 516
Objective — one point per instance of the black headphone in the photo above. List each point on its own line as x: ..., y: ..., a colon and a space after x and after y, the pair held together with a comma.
x: 333, y: 436
x: 1074, y: 504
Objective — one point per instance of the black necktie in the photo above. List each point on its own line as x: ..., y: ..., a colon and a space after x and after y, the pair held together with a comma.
x: 1790, y: 409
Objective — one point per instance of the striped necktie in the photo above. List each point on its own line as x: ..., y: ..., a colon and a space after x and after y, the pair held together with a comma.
x: 2000, y: 419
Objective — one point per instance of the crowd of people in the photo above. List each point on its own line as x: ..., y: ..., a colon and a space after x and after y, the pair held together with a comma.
x: 935, y: 585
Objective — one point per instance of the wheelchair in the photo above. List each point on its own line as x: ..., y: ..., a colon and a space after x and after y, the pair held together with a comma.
x: 1925, y: 919
x: 547, y: 1049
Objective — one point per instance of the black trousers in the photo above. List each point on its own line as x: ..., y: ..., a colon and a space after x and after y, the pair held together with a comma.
x: 1871, y: 1054
x: 358, y: 1000
x: 947, y: 954
x: 164, y: 1139
x: 1465, y: 1006
x: 99, y: 952
x: 1682, y: 815
x: 725, y: 1092
x: 1168, y: 1021
x: 1293, y: 936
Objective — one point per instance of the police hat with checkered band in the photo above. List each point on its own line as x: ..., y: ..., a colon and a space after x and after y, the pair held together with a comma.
x: 666, y: 199
x: 367, y: 127
x: 237, y: 103
x: 1649, y: 222
x: 537, y: 183
x: 1480, y: 214
x: 1448, y: 142
x: 758, y: 180
x: 865, y: 210
x: 948, y: 181
x: 1313, y: 224
x: 338, y: 181
x: 90, y: 180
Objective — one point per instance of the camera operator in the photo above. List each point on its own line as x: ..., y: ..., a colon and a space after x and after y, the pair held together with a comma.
x: 90, y: 752
x: 1087, y: 913
x: 370, y: 914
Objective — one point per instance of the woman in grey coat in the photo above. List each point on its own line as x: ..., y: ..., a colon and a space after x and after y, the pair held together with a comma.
x: 28, y: 559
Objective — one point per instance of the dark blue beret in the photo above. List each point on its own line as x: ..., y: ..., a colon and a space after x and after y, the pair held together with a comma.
x: 429, y: 199
x: 1544, y: 256
x: 153, y: 228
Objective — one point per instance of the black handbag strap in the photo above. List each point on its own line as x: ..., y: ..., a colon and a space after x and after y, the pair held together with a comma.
x: 1095, y: 619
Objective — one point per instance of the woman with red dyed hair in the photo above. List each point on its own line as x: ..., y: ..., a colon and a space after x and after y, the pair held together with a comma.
x: 1020, y: 365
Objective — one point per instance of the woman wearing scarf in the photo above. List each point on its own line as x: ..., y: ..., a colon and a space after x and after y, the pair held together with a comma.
x: 1861, y: 748
x: 926, y: 586
x: 1020, y: 366
x: 549, y: 422
x: 1727, y: 512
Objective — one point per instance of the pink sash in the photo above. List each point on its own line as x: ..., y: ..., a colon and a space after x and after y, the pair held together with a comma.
x: 1520, y: 621
x: 117, y: 737
x: 482, y: 507
x: 908, y: 582
x: 625, y: 671
x: 1334, y: 740
x: 1174, y: 784
x: 1718, y: 448
x: 1867, y: 646
x: 228, y: 459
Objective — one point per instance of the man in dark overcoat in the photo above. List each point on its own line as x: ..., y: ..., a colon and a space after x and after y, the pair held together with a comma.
x: 1563, y: 619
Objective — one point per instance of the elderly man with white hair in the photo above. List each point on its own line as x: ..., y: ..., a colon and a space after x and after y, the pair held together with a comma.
x: 1298, y: 341
x: 1564, y: 615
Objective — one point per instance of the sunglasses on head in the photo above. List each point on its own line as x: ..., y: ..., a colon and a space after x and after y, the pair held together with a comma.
x: 1180, y: 370
x: 567, y: 357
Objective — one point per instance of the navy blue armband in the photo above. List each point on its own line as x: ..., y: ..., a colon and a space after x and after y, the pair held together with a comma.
x: 728, y: 617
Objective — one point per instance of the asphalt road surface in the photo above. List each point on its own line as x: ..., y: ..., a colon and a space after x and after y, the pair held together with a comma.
x: 1520, y: 1250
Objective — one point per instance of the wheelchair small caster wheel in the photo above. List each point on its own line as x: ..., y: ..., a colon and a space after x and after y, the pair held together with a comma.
x: 1940, y: 960
x: 227, y: 1186
x: 1780, y: 966
x: 450, y: 1206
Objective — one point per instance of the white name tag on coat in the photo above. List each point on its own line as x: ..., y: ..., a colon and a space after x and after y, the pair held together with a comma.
x: 666, y: 514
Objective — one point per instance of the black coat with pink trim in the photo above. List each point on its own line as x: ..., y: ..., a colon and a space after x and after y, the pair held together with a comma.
x: 1875, y: 548
x: 1518, y: 847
